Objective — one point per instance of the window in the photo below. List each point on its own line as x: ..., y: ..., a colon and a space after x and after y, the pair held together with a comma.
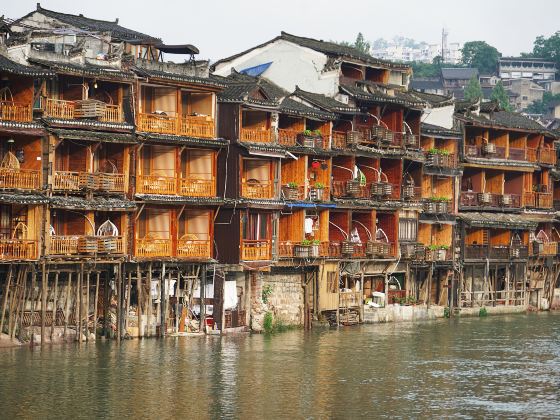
x: 255, y: 226
x: 408, y: 228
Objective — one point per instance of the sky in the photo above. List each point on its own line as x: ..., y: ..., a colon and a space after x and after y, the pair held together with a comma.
x: 220, y: 28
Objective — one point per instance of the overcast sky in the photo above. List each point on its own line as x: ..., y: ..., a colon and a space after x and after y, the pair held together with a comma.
x: 220, y: 28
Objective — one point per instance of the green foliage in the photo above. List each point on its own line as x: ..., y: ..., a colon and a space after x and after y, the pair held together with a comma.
x: 439, y: 199
x: 266, y: 292
x: 541, y: 107
x: 311, y: 133
x: 499, y: 94
x: 446, y: 312
x: 480, y: 55
x: 473, y: 91
x: 437, y: 247
x: 435, y: 151
x: 361, y: 44
x: 319, y: 185
x: 307, y: 132
x: 292, y: 184
x: 482, y: 312
x: 548, y: 48
x: 317, y: 132
x: 306, y: 242
x: 268, y: 323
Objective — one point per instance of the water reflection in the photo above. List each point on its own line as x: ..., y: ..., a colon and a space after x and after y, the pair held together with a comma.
x: 500, y: 366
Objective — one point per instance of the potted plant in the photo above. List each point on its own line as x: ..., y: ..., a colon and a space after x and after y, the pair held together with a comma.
x: 354, y: 137
x: 316, y: 192
x: 442, y: 205
x: 382, y: 188
x: 506, y: 200
x: 437, y: 252
x: 485, y: 198
x: 315, y: 248
x: 488, y: 148
x: 291, y: 191
x: 437, y: 157
x: 309, y: 138
x: 353, y: 187
x: 303, y: 250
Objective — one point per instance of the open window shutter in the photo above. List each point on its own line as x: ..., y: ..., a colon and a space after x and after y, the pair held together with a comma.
x: 274, y: 232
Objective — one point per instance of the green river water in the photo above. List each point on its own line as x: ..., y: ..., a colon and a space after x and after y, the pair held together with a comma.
x: 503, y: 366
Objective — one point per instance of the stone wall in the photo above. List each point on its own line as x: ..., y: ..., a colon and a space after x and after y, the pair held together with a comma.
x: 285, y: 300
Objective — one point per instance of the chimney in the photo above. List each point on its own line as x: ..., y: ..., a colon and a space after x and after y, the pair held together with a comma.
x: 38, y: 6
x: 117, y: 21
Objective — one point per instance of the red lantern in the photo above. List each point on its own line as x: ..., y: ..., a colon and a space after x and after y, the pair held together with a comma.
x: 315, y: 164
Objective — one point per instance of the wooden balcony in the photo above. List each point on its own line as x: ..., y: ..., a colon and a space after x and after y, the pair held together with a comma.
x: 110, y: 182
x: 155, y: 123
x: 255, y: 135
x: 192, y: 187
x: 15, y: 111
x: 196, y: 249
x: 547, y: 156
x: 86, y: 245
x: 113, y: 113
x: 252, y: 250
x: 18, y: 249
x: 153, y: 247
x: 287, y: 137
x: 156, y: 184
x: 531, y: 154
x: 197, y: 126
x: 541, y: 200
x: 20, y: 179
x: 66, y: 181
x: 475, y: 199
x: 350, y: 299
x: 441, y: 161
x: 543, y: 248
x: 338, y: 140
x: 497, y: 252
x: 58, y: 108
x: 257, y: 189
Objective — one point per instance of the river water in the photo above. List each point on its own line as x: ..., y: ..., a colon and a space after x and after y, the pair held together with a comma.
x: 505, y: 366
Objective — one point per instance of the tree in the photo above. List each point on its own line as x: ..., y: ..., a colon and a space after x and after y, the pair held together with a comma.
x: 480, y: 55
x: 473, y: 91
x: 500, y: 95
x: 361, y: 44
x: 541, y: 107
x: 548, y: 48
x: 437, y: 61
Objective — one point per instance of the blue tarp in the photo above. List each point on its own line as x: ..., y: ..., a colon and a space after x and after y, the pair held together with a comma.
x: 256, y: 70
x: 313, y: 205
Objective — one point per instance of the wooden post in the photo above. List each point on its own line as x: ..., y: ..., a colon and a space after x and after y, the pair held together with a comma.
x: 31, y: 295
x: 119, y: 306
x: 163, y: 302
x: 5, y: 298
x: 127, y: 307
x: 429, y: 296
x: 13, y: 300
x: 95, y: 303
x: 67, y: 305
x: 106, y: 305
x: 149, y: 308
x: 87, y: 306
x: 19, y: 314
x: 53, y: 322
x: 139, y: 295
x: 79, y: 297
x: 203, y: 299
x: 44, y: 280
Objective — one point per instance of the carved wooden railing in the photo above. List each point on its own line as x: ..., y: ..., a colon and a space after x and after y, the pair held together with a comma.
x: 155, y: 123
x: 110, y: 182
x: 58, y: 108
x: 66, y: 180
x: 194, y: 126
x: 24, y: 179
x: 150, y: 247
x: 156, y: 184
x: 15, y: 111
x: 338, y: 140
x: 64, y: 245
x: 350, y: 299
x: 545, y: 248
x: 287, y: 137
x: 257, y: 190
x: 544, y: 200
x: 255, y: 135
x: 113, y: 113
x: 252, y: 250
x: 17, y: 249
x: 189, y: 248
x: 197, y: 187
x: 547, y: 156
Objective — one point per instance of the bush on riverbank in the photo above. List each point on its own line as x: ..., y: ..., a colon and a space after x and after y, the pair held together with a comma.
x: 270, y: 325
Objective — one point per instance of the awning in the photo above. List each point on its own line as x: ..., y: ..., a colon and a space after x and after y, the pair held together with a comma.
x: 256, y: 70
x: 178, y: 49
x: 99, y: 203
x: 264, y: 150
x: 499, y: 220
x: 311, y: 205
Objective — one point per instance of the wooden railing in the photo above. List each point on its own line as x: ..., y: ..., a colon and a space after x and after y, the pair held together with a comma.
x: 442, y: 161
x: 24, y: 179
x: 156, y: 184
x: 500, y: 252
x: 531, y: 154
x: 155, y: 123
x: 15, y: 111
x: 257, y: 190
x: 194, y: 126
x: 110, y: 182
x: 255, y: 250
x: 545, y: 248
x: 66, y: 181
x: 338, y: 140
x: 255, y: 135
x: 58, y: 108
x: 17, y: 249
x: 113, y: 113
x: 488, y: 298
x: 350, y: 299
x: 474, y: 199
x: 151, y: 247
x: 63, y: 245
x: 541, y: 200
x: 188, y: 248
x: 287, y: 137
x: 547, y: 156
x: 197, y: 187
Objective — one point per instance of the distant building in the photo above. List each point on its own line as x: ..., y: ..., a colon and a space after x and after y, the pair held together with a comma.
x: 535, y: 69
x: 525, y: 92
x: 451, y: 82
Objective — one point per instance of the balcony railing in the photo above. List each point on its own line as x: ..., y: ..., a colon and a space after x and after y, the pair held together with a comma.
x: 441, y: 161
x: 67, y: 181
x: 113, y: 113
x: 80, y: 180
x: 338, y: 139
x: 155, y: 123
x: 15, y: 111
x: 17, y: 249
x: 110, y: 182
x: 543, y: 248
x: 252, y: 250
x: 192, y: 126
x: 189, y: 248
x: 287, y: 137
x: 474, y: 199
x: 547, y: 156
x: 197, y: 126
x: 86, y: 245
x: 541, y: 200
x: 255, y: 135
x: 499, y: 252
x: 153, y: 247
x: 350, y: 299
x: 477, y: 151
x: 193, y: 187
x: 257, y: 189
x: 156, y: 184
x: 23, y: 179
x: 58, y: 108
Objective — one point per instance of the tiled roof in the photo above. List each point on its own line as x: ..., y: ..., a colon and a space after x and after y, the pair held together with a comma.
x: 95, y: 25
x: 423, y: 84
x: 182, y: 140
x: 9, y: 66
x: 505, y: 119
x: 22, y: 198
x: 292, y: 107
x: 329, y: 48
x: 242, y: 88
x: 459, y: 73
x: 325, y: 102
x: 94, y: 136
x: 178, y: 77
x: 176, y: 199
x: 377, y: 96
x: 434, y: 100
x: 98, y: 203
x: 84, y: 69
x: 87, y: 124
x: 500, y: 220
x: 431, y: 130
